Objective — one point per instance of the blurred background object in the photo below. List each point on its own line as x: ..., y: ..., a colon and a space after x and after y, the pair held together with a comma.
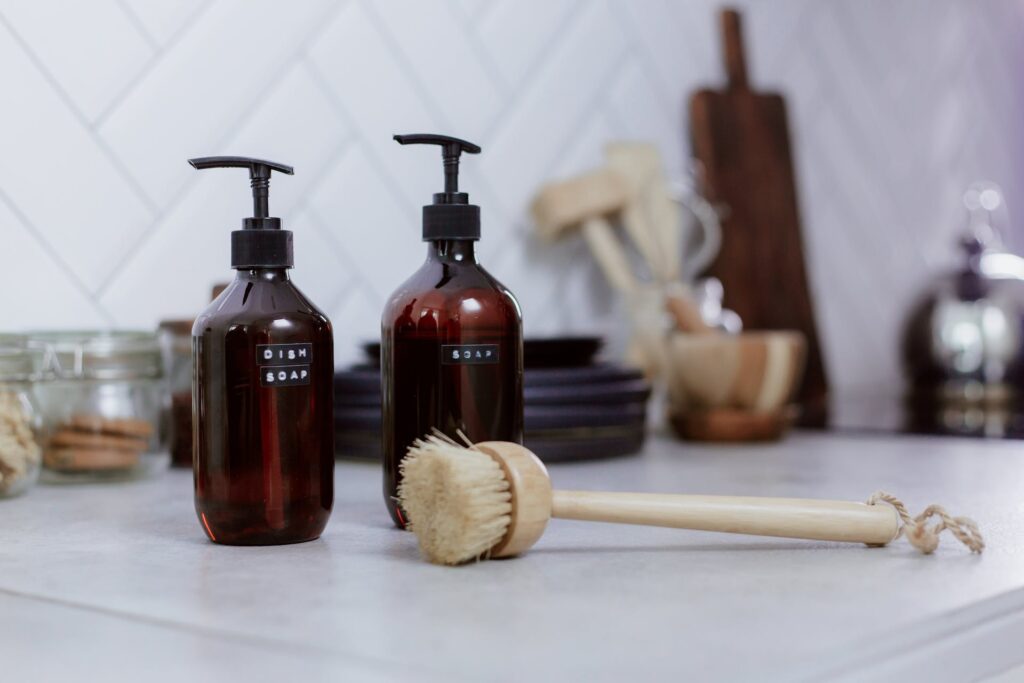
x: 735, y: 387
x: 20, y: 421
x: 101, y: 396
x: 741, y: 138
x: 176, y: 419
x: 964, y: 339
x: 893, y: 109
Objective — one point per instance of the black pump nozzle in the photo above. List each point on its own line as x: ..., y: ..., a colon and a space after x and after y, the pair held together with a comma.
x: 259, y: 178
x: 451, y: 216
x: 261, y: 243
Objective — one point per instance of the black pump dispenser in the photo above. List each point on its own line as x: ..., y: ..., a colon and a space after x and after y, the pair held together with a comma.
x: 261, y: 243
x: 451, y: 216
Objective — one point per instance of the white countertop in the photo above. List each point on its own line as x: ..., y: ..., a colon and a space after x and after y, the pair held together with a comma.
x: 117, y: 582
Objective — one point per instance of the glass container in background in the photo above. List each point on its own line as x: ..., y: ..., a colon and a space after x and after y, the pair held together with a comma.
x: 101, y: 401
x: 176, y: 346
x: 20, y: 452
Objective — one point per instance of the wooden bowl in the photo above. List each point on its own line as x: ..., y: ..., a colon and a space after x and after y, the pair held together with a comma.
x: 754, y: 372
x: 726, y: 424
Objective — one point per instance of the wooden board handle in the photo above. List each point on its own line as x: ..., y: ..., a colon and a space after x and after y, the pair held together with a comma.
x: 732, y: 44
x: 822, y: 520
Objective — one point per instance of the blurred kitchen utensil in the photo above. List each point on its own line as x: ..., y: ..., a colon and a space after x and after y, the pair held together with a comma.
x: 652, y: 219
x: 585, y: 203
x: 701, y: 227
x: 742, y: 140
x: 964, y: 339
x: 716, y: 380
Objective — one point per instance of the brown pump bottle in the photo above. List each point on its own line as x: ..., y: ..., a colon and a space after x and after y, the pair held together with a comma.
x: 263, y: 411
x: 451, y: 336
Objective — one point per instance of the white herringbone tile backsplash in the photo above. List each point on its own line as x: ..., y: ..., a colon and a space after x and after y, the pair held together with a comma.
x: 895, y: 107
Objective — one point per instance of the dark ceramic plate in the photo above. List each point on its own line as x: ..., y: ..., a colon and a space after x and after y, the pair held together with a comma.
x: 629, y: 391
x: 350, y: 391
x: 560, y: 352
x: 551, y: 445
x: 357, y: 380
x: 365, y: 379
x: 589, y: 374
x: 535, y: 418
x: 554, y: 447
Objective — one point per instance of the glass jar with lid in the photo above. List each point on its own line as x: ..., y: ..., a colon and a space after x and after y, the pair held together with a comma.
x: 20, y: 453
x: 101, y: 398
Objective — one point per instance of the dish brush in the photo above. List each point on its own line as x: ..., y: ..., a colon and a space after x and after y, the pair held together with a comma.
x: 494, y: 499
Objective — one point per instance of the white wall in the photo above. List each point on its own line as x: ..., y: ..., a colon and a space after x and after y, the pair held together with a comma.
x: 895, y: 106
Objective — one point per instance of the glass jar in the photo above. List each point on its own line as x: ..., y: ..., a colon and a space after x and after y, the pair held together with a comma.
x: 20, y: 453
x: 176, y: 345
x: 101, y: 397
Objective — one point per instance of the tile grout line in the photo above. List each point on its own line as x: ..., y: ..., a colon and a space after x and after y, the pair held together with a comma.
x: 372, y: 158
x: 306, y: 207
x: 62, y: 94
x: 249, y: 111
x: 592, y: 109
x: 405, y: 63
x: 421, y: 90
x: 147, y: 69
x: 645, y: 61
x: 354, y: 280
x: 483, y: 11
x: 133, y: 18
x: 55, y: 257
x: 482, y: 55
x: 532, y: 69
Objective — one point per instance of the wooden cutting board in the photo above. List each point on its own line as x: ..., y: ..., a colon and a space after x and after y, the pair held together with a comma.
x: 742, y: 139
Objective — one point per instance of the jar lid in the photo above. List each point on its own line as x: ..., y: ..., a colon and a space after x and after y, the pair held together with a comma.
x: 178, y: 327
x: 99, y: 355
x: 16, y: 359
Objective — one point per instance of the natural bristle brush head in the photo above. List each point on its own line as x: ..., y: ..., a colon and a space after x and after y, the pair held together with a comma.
x: 491, y: 499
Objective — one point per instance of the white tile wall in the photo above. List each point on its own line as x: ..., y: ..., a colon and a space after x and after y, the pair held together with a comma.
x: 895, y: 107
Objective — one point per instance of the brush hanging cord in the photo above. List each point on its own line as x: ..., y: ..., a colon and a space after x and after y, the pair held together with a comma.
x: 925, y: 538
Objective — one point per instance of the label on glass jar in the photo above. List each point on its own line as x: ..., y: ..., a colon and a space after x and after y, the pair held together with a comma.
x: 284, y: 365
x: 469, y: 354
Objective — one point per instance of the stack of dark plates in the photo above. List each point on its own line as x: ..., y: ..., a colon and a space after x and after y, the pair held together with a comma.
x: 574, y: 407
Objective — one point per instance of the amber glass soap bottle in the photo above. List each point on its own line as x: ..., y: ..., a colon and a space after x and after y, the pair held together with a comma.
x: 451, y: 336
x: 263, y: 422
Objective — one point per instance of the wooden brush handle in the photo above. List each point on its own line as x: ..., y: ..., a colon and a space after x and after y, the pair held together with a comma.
x: 822, y: 520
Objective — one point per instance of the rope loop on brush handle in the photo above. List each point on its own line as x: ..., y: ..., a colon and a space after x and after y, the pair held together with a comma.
x: 926, y: 538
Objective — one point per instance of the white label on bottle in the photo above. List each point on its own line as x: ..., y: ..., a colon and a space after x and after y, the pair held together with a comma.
x: 284, y: 365
x: 469, y: 354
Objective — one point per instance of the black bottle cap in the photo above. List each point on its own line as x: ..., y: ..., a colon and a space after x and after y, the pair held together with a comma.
x: 451, y: 216
x: 261, y: 243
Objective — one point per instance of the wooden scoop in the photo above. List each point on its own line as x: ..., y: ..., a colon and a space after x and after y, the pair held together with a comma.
x: 495, y: 499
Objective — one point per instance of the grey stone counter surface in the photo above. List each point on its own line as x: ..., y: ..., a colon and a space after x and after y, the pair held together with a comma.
x: 117, y: 582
